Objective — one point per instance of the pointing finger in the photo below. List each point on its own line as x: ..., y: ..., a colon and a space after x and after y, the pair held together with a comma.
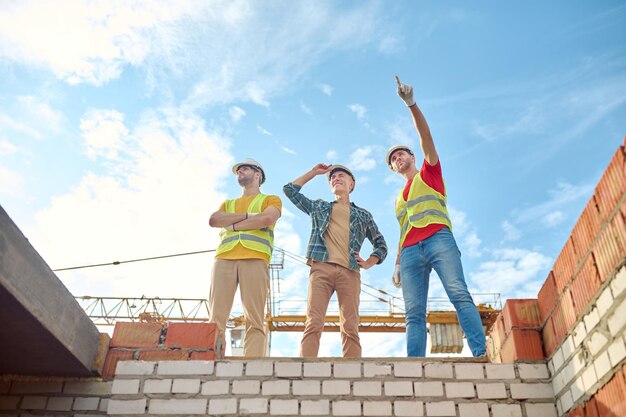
x: 398, y: 80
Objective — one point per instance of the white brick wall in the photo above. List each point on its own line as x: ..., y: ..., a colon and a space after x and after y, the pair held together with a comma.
x: 183, y: 367
x: 474, y: 410
x: 408, y: 408
x: 181, y: 406
x: 222, y: 406
x: 284, y: 407
x: 315, y: 407
x: 253, y: 406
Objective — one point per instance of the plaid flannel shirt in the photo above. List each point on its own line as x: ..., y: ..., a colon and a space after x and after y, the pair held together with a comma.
x: 362, y: 225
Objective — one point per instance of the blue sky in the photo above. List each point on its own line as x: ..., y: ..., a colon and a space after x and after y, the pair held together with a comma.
x: 119, y: 122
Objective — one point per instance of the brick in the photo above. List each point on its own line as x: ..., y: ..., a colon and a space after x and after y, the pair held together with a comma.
x: 618, y: 283
x: 617, y: 319
x: 33, y: 402
x: 222, y: 406
x: 252, y: 405
x: 585, y: 285
x: 438, y: 370
x: 576, y: 412
x: 441, y: 409
x: 608, y: 250
x: 469, y: 371
x: 591, y: 319
x: 336, y: 387
x: 125, y: 386
x: 579, y: 334
x: 564, y: 266
x: 591, y: 408
x: 533, y: 371
x: 491, y: 391
x: 104, y: 404
x: 586, y: 229
x: 104, y: 341
x: 565, y: 401
x: 398, y: 388
x: 611, y: 398
x: 157, y: 386
x: 347, y: 370
x: 284, y: 407
x: 346, y: 408
x: 596, y: 342
x: 547, y: 297
x: 317, y: 370
x: 36, y: 387
x: 473, y: 410
x: 407, y: 369
x: 127, y: 406
x: 185, y: 368
x: 568, y: 347
x: 540, y: 410
x: 184, y: 406
x: 521, y: 313
x: 288, y: 369
x: 548, y: 337
x: 306, y: 387
x: 371, y: 370
x: 498, y: 333
x: 86, y: 403
x: 528, y: 391
x: 408, y: 408
x: 186, y: 386
x: 202, y: 356
x: 605, y: 301
x: 460, y: 390
x: 135, y: 368
x: 191, y: 335
x: 617, y: 351
x: 315, y: 408
x: 506, y: 410
x: 428, y: 389
x: 521, y: 344
x: 163, y: 355
x: 577, y: 389
x: 280, y: 387
x: 367, y: 388
x: 215, y: 387
x: 136, y: 335
x: 246, y: 387
x: 377, y: 408
x: 259, y: 368
x: 9, y: 402
x: 112, y: 359
x: 563, y: 317
x: 610, y: 188
x: 589, y: 378
x: 87, y: 388
x: 602, y: 364
x: 228, y: 369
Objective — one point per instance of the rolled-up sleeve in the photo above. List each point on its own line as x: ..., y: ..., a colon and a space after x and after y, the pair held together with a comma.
x: 379, y: 245
x: 292, y: 191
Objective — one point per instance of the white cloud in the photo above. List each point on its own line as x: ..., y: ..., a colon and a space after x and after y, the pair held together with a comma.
x: 11, y: 182
x: 8, y: 123
x: 332, y: 155
x: 305, y: 109
x: 361, y: 159
x: 514, y: 270
x: 359, y: 110
x: 7, y: 148
x: 263, y: 131
x: 326, y: 89
x: 287, y: 150
x: 553, y: 219
x: 402, y: 132
x: 390, y: 44
x: 41, y: 112
x: 154, y: 199
x: 561, y: 197
x: 104, y: 133
x: 236, y: 113
x: 511, y: 233
x: 472, y: 244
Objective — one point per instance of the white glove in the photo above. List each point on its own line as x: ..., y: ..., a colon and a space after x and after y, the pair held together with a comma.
x: 395, y: 278
x: 251, y: 215
x: 405, y: 92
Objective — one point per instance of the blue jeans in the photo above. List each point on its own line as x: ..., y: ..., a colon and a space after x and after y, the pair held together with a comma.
x: 438, y: 252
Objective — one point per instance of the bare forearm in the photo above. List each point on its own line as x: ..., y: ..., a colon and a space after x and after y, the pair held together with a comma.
x: 426, y: 140
x: 256, y: 222
x: 223, y: 219
x: 303, y: 179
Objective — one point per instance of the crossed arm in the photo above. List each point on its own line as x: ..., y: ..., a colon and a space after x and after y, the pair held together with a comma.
x: 245, y: 221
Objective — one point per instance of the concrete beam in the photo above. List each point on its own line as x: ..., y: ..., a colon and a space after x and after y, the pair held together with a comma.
x: 43, y: 329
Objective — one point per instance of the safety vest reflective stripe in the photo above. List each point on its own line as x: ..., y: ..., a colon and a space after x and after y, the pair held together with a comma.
x: 423, y: 198
x: 425, y: 213
x: 248, y: 237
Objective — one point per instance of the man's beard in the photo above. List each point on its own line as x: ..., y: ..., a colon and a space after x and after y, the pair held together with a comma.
x: 245, y: 181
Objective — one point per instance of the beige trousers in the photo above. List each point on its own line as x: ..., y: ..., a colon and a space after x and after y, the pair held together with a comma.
x: 324, y: 279
x: 252, y: 276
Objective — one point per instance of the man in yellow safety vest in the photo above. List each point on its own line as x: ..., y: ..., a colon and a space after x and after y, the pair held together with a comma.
x: 242, y: 258
x: 426, y: 240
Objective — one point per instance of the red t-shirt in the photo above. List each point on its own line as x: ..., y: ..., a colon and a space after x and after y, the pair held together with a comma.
x: 431, y: 175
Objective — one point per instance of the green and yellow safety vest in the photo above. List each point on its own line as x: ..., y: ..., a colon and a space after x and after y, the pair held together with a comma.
x: 424, y: 206
x: 260, y: 240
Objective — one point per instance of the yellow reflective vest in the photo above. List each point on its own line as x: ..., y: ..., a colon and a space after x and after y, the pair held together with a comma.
x: 424, y: 206
x: 260, y: 240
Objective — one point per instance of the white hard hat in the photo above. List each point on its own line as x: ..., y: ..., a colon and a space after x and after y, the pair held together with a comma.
x: 251, y: 163
x: 396, y: 148
x: 337, y: 167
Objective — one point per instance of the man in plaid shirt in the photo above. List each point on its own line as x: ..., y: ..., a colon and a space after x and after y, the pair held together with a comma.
x: 337, y: 234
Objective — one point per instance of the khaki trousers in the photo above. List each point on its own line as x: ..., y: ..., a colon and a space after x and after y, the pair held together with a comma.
x: 253, y: 276
x: 324, y: 279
